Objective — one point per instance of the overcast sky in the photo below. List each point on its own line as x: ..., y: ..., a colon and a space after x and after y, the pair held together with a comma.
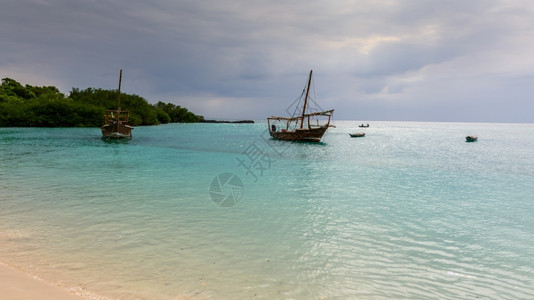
x: 413, y: 60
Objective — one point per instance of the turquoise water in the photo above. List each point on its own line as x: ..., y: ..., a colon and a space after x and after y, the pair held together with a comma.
x: 409, y: 211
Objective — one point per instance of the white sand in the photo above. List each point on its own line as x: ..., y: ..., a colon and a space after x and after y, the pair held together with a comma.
x: 16, y: 285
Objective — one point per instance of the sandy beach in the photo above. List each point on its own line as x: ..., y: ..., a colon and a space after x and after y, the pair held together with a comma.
x: 16, y: 285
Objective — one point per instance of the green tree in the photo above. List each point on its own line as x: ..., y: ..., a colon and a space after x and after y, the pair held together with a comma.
x: 177, y: 113
x: 46, y: 106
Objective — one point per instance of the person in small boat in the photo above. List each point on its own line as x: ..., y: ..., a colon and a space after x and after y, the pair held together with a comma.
x: 273, y: 128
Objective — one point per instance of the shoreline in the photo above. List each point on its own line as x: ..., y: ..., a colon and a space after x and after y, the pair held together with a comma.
x: 227, y: 122
x: 15, y: 284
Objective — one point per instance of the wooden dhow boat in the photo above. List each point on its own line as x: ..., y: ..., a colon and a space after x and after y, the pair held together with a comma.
x: 301, y: 127
x: 116, y: 121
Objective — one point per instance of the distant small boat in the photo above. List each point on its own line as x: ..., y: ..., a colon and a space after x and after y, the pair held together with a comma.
x: 363, y: 126
x: 471, y: 138
x: 116, y: 121
x: 357, y: 134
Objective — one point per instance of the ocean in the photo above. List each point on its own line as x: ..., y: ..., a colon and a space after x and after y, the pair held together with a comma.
x: 221, y: 211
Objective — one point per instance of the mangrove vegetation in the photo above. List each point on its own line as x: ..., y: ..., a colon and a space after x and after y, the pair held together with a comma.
x: 33, y: 106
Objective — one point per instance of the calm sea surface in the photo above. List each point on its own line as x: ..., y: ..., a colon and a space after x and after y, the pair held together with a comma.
x: 220, y: 211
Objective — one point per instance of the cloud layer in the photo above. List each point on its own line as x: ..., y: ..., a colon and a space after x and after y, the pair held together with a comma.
x: 373, y: 60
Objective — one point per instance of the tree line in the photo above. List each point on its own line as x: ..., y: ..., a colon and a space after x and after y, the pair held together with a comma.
x: 46, y: 106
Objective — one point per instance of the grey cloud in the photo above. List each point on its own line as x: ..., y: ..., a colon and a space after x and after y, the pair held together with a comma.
x: 369, y: 56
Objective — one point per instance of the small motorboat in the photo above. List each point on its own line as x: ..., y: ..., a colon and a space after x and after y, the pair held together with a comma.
x: 363, y: 126
x: 471, y: 138
x: 357, y: 134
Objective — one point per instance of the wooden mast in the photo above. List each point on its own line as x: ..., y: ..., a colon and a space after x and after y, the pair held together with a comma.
x: 119, y: 96
x: 118, y: 119
x: 305, y: 100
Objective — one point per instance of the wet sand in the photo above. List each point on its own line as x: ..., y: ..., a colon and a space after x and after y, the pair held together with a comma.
x: 16, y: 285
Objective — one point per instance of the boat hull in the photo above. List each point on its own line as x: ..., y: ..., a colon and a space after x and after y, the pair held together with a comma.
x: 304, y: 134
x: 471, y: 138
x: 354, y: 135
x: 112, y: 131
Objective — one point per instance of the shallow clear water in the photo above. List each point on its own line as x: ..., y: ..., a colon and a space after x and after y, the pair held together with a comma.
x: 409, y: 211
